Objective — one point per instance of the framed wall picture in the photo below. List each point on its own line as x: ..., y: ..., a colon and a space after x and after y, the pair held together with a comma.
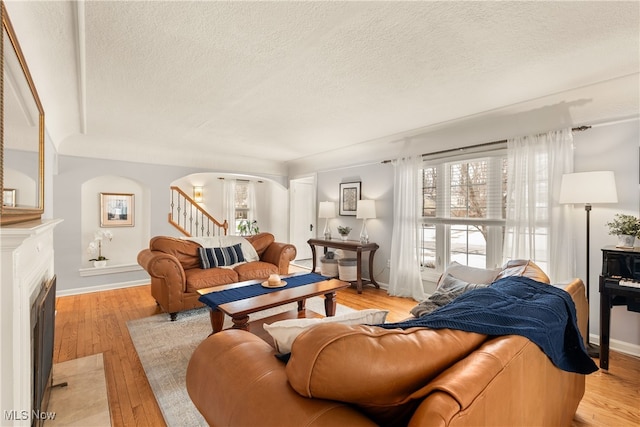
x: 349, y: 196
x: 9, y: 197
x: 116, y: 210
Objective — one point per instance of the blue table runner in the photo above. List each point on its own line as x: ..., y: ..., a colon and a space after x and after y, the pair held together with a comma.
x: 214, y: 299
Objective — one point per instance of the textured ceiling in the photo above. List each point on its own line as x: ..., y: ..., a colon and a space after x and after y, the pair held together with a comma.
x: 279, y: 81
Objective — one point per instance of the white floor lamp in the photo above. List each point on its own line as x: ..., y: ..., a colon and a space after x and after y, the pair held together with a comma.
x: 587, y: 188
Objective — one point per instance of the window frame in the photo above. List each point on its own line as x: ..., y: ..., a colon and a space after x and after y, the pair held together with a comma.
x: 495, y: 219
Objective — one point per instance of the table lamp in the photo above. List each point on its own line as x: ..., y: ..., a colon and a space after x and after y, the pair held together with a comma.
x: 327, y: 210
x: 366, y: 209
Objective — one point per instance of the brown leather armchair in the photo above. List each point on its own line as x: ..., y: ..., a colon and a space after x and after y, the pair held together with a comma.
x: 176, y: 276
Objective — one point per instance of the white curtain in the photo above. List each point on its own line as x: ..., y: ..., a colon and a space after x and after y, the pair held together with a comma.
x: 251, y: 196
x: 229, y: 204
x: 537, y: 226
x: 405, y: 279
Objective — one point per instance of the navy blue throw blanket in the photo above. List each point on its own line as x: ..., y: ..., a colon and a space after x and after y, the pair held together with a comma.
x: 516, y: 306
x: 214, y: 299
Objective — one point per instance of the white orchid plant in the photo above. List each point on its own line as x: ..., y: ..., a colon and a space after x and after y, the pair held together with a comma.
x: 95, y: 247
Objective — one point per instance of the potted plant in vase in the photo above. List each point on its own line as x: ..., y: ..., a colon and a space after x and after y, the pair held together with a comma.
x: 247, y: 228
x: 95, y: 247
x: 626, y: 227
x: 344, y: 232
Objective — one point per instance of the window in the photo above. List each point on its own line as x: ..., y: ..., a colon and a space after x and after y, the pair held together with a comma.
x: 463, y: 213
x: 242, y: 203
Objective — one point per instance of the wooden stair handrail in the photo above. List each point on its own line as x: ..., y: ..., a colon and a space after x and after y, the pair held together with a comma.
x: 224, y: 225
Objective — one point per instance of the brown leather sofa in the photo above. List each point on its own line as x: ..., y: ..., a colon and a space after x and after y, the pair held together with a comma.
x: 176, y: 276
x: 362, y: 375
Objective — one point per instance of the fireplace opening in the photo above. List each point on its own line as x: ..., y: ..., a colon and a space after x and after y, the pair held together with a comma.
x: 43, y: 326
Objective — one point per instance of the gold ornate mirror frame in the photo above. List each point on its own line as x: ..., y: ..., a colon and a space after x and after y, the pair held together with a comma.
x: 13, y: 209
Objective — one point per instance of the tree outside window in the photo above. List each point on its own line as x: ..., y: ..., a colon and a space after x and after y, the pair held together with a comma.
x: 463, y: 212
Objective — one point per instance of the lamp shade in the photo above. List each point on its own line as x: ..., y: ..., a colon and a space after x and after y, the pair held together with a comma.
x: 588, y: 187
x: 327, y: 210
x: 366, y: 209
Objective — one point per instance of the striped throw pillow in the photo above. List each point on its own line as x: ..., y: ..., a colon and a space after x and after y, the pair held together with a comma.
x: 220, y: 257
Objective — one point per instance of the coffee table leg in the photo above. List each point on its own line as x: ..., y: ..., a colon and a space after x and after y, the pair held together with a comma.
x: 302, y: 304
x: 217, y: 320
x: 330, y: 304
x: 241, y: 323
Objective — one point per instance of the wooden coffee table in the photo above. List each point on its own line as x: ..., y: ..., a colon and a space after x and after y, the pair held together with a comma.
x: 240, y: 310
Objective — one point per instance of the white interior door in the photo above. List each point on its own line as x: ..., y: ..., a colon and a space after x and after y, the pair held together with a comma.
x: 302, y: 216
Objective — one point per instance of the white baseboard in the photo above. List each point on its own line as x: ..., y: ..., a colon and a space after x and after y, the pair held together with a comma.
x: 109, y: 287
x: 619, y: 346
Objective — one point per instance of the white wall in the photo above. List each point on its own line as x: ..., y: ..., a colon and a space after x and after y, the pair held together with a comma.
x: 601, y: 102
x: 377, y: 184
x: 613, y: 148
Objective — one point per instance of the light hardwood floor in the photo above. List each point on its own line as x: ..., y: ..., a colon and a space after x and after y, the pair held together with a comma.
x: 96, y: 323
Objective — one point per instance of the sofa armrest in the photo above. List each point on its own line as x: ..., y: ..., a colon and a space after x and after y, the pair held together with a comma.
x: 280, y: 255
x: 576, y: 289
x: 234, y: 379
x: 163, y: 266
x: 495, y: 385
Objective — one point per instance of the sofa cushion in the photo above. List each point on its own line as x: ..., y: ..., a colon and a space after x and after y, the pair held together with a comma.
x: 470, y: 274
x: 198, y: 278
x: 220, y: 257
x: 285, y: 332
x: 261, y: 242
x: 376, y: 369
x: 248, y: 251
x: 448, y: 283
x: 458, y: 279
x: 185, y: 251
x: 255, y: 270
x: 524, y: 268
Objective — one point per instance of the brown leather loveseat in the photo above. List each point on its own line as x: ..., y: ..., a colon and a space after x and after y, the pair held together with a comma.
x: 176, y: 274
x: 360, y: 375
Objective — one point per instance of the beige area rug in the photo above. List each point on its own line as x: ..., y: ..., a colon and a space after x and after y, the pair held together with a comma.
x: 165, y: 347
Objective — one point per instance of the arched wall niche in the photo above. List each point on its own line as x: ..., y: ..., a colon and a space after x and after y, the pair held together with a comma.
x: 126, y: 243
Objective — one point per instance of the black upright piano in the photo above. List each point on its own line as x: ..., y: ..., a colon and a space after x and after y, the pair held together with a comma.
x: 619, y: 285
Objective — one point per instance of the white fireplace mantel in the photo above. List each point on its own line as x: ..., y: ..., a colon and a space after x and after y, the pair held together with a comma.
x: 26, y: 262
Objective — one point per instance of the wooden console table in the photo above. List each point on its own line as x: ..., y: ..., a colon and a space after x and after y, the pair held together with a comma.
x: 349, y: 245
x: 618, y: 286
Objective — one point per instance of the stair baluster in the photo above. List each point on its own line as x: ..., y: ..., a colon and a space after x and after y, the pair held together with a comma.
x: 191, y: 219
